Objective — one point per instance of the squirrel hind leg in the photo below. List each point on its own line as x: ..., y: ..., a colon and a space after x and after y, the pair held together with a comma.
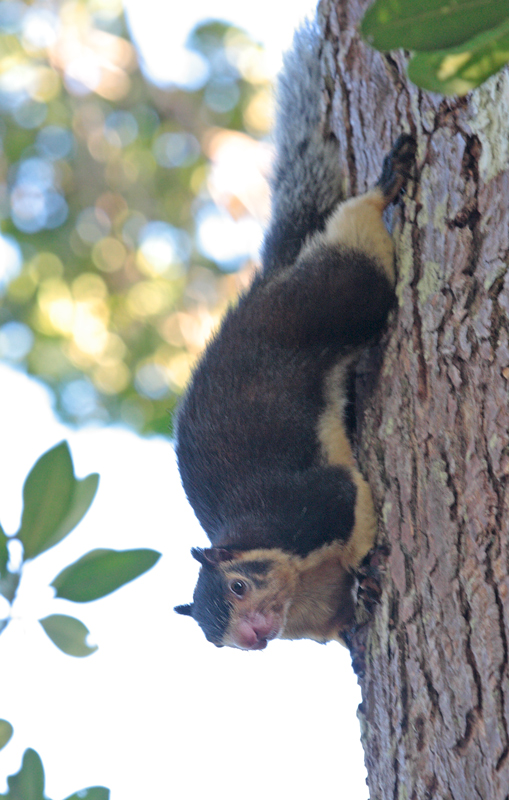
x: 358, y: 223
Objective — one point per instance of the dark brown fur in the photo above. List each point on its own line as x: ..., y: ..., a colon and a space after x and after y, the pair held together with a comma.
x: 262, y: 445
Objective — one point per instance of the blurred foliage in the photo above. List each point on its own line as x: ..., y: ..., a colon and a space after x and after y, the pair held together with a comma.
x: 6, y: 732
x: 120, y: 244
x: 28, y: 783
x: 456, y: 46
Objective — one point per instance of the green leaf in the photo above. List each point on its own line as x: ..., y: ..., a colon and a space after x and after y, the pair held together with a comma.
x: 92, y: 793
x: 6, y: 731
x: 46, y: 498
x: 100, y: 572
x: 429, y: 24
x: 4, y: 552
x: 9, y: 585
x: 461, y: 69
x: 28, y: 783
x: 53, y: 501
x: 69, y: 635
x: 82, y: 498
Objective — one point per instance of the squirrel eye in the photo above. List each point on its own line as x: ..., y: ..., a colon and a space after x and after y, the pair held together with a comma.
x: 238, y: 588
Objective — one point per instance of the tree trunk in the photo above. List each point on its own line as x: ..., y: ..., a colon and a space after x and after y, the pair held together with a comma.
x: 433, y: 436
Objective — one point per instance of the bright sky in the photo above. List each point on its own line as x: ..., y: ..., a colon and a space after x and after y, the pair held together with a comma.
x: 157, y: 705
x: 162, y: 42
x: 157, y: 712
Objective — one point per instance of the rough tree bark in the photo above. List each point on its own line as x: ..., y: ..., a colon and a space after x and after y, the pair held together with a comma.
x: 434, y: 439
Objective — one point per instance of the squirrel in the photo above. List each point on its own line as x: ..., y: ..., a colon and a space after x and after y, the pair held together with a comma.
x: 261, y: 439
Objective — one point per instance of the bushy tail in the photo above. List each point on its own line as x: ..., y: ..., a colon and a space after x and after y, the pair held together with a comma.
x: 306, y: 179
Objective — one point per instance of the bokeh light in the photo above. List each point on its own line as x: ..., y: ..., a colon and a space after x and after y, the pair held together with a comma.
x: 125, y: 207
x: 16, y: 341
x: 10, y: 261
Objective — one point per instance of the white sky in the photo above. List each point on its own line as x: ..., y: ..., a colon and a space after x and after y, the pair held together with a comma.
x: 158, y: 712
x: 161, y: 41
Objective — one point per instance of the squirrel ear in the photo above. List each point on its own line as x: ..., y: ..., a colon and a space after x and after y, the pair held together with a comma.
x: 199, y: 554
x: 187, y: 610
x: 211, y: 555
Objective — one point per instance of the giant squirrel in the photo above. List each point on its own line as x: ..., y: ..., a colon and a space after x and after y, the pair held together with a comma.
x: 262, y: 445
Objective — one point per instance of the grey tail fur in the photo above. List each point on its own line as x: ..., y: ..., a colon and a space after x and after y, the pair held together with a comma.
x: 306, y: 179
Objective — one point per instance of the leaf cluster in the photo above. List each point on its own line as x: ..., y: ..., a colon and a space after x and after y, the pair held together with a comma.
x: 456, y: 44
x: 54, y: 502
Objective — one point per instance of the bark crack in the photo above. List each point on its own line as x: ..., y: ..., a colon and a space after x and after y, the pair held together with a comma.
x: 474, y: 714
x: 417, y: 330
x: 350, y: 148
x: 490, y: 578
